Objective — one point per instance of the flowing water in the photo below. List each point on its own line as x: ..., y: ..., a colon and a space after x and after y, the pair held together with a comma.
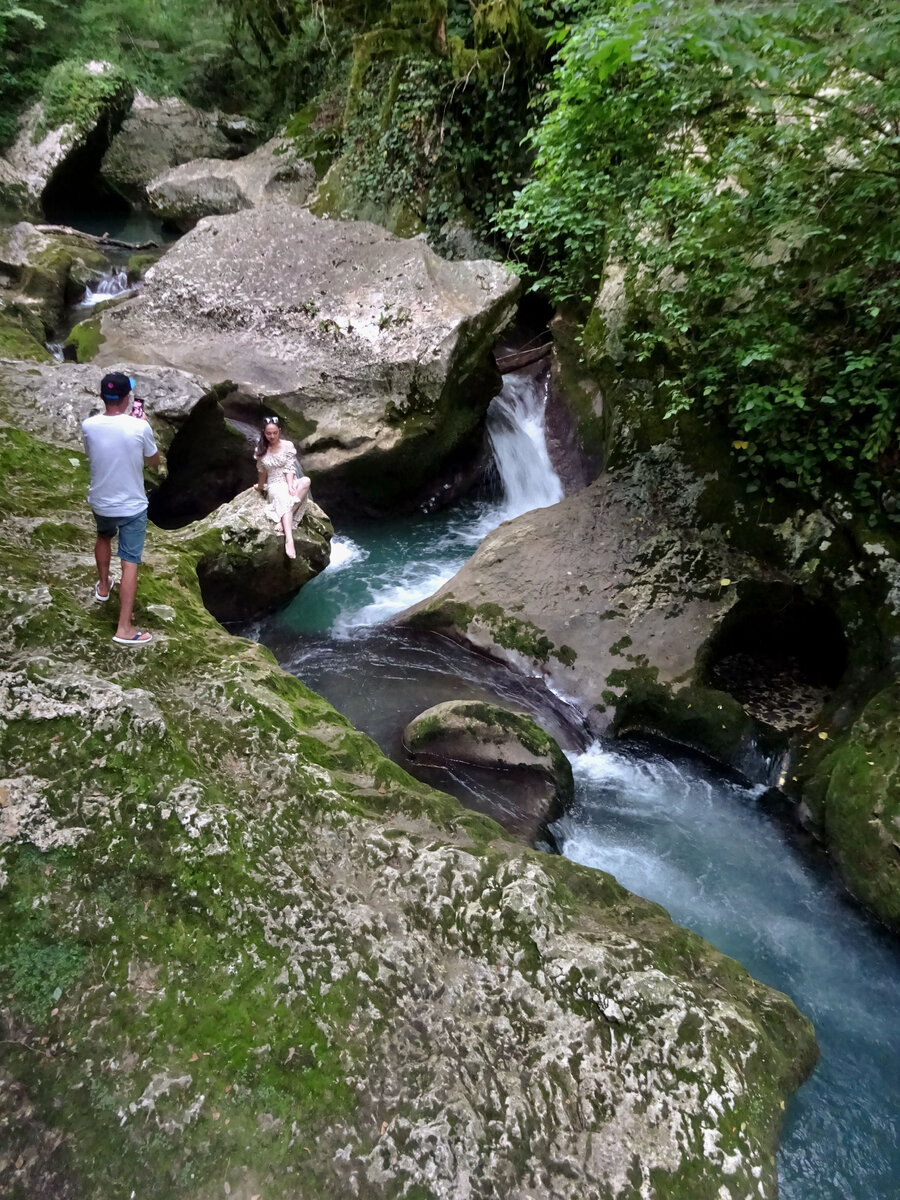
x: 713, y: 854
x: 707, y: 848
x: 111, y: 284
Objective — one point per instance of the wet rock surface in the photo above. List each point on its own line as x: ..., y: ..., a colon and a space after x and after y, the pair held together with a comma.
x: 376, y: 350
x: 209, y: 186
x: 270, y: 959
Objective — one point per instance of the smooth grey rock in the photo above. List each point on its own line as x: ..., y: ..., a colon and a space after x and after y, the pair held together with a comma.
x: 58, y: 396
x: 378, y: 347
x: 206, y: 187
x: 160, y: 134
x: 612, y: 583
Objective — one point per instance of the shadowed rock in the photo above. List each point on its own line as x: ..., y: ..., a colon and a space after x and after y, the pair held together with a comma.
x: 488, y: 735
x: 40, y: 156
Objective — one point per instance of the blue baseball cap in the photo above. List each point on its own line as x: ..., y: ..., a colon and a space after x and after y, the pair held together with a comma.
x: 115, y: 387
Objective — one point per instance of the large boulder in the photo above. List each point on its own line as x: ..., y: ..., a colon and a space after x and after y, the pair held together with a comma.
x: 160, y: 134
x: 375, y: 349
x: 207, y: 187
x: 499, y: 739
x: 241, y: 564
x: 249, y: 948
x: 63, y: 134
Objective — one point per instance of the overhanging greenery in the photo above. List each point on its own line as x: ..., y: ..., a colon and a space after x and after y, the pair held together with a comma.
x: 742, y: 161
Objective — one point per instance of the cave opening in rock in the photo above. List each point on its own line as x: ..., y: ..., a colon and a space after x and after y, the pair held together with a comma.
x: 209, y: 462
x: 779, y: 653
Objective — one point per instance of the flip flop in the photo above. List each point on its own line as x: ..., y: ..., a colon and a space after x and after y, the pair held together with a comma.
x: 101, y: 599
x: 139, y: 639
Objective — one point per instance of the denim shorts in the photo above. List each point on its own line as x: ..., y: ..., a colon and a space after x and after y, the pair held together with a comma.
x: 131, y: 531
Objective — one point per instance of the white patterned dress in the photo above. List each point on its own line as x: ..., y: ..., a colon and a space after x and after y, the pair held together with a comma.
x: 279, y: 462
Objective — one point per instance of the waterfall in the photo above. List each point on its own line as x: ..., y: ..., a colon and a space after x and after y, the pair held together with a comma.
x: 515, y: 426
x: 377, y: 572
x: 112, y: 283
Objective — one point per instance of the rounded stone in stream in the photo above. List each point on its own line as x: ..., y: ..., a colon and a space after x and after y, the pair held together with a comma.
x: 489, y: 736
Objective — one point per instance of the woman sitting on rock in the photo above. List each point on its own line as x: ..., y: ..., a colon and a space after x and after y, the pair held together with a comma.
x: 277, y: 465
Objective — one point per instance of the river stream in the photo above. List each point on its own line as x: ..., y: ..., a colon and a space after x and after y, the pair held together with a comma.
x: 706, y: 847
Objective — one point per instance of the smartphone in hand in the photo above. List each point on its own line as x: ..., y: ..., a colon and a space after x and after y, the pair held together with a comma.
x: 137, y: 407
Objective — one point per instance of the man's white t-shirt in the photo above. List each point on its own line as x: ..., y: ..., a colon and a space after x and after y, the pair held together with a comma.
x: 117, y: 446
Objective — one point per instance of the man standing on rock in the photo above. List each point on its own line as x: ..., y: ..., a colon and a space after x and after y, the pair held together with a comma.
x: 118, y: 443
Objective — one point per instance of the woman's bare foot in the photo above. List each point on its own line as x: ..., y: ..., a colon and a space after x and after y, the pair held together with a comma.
x: 290, y: 551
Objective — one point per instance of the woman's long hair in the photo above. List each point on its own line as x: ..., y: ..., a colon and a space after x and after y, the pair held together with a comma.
x: 262, y: 445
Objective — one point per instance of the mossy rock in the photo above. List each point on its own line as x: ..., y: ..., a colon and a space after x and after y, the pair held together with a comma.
x: 84, y: 341
x: 20, y: 336
x: 699, y: 718
x: 138, y: 264
x: 498, y: 738
x: 854, y: 799
x: 337, y: 200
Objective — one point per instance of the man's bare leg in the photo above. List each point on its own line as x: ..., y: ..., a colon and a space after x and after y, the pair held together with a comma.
x: 127, y: 593
x: 102, y: 556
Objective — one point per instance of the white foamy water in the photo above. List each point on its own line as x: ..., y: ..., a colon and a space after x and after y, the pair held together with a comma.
x: 709, y: 851
x: 112, y: 283
x: 517, y: 435
x: 389, y: 583
x: 344, y: 553
x: 393, y: 598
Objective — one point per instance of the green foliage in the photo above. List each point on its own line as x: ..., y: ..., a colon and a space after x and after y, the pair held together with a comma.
x: 743, y: 164
x: 166, y: 47
x: 73, y: 95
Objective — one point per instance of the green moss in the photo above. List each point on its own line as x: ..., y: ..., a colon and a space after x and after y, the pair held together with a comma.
x: 697, y: 717
x: 854, y: 798
x: 18, y: 340
x: 72, y: 95
x: 85, y: 340
x: 139, y: 264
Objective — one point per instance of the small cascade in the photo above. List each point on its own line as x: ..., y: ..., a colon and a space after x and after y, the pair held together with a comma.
x: 368, y: 583
x: 56, y: 349
x: 111, y: 283
x: 515, y: 426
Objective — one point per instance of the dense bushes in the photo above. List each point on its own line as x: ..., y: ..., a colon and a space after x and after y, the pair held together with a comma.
x: 744, y: 163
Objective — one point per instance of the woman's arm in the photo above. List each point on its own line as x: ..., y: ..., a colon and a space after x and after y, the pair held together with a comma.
x: 262, y: 477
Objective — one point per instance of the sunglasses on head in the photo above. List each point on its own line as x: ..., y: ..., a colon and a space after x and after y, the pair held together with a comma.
x: 272, y: 421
